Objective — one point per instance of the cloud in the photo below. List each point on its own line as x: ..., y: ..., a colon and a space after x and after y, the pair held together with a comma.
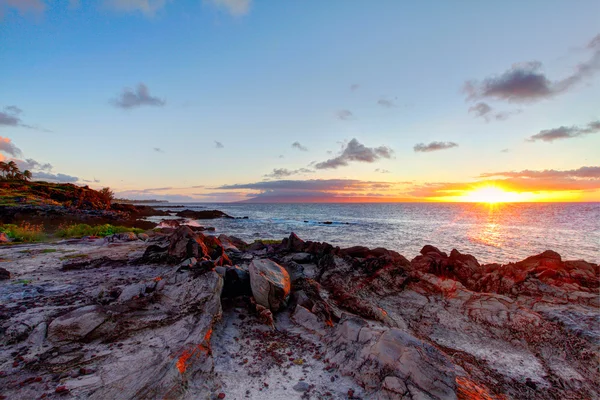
x: 33, y: 165
x: 486, y: 112
x: 158, y: 150
x: 297, y: 145
x: 219, y: 145
x: 354, y: 87
x: 582, y: 173
x: 344, y: 114
x: 237, y: 8
x: 355, y: 151
x: 566, y: 132
x: 312, y: 184
x: 525, y: 82
x: 146, y: 7
x: 136, y: 98
x: 433, y: 146
x: 386, y: 103
x: 23, y: 6
x: 8, y: 147
x: 383, y: 171
x: 47, y: 176
x: 504, y: 150
x: 279, y: 173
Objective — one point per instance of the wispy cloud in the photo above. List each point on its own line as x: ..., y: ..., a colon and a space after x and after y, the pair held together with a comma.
x: 386, y: 103
x: 237, y: 8
x: 297, y: 145
x: 22, y: 6
x: 525, y: 82
x: 48, y: 176
x: 140, y: 96
x: 33, y: 165
x: 11, y: 117
x: 219, y: 145
x: 146, y: 7
x: 566, y: 132
x: 358, y: 152
x: 354, y: 87
x: 485, y: 111
x: 279, y: 173
x: 158, y: 150
x: 8, y: 147
x: 382, y: 171
x: 433, y: 146
x: 582, y: 173
x: 344, y: 114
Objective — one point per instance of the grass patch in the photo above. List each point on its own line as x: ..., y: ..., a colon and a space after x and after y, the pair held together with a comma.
x: 73, y: 256
x: 80, y: 230
x: 48, y: 251
x: 25, y: 232
x: 268, y: 241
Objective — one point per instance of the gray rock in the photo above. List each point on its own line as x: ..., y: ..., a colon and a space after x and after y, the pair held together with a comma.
x: 308, y: 320
x: 131, y: 291
x: 143, y: 236
x: 270, y: 283
x: 77, y: 324
x: 126, y: 236
x: 302, y: 258
x: 301, y: 386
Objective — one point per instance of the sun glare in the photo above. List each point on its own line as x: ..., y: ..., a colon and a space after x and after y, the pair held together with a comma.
x: 491, y: 195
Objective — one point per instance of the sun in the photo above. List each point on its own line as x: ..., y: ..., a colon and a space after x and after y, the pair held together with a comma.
x: 490, y: 195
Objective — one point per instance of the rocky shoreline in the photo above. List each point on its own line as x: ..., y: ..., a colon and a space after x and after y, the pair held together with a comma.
x: 188, y: 316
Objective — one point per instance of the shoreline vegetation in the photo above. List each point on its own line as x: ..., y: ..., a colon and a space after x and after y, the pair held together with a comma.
x: 96, y: 302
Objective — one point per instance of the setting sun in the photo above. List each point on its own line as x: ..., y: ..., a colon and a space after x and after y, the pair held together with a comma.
x: 491, y: 194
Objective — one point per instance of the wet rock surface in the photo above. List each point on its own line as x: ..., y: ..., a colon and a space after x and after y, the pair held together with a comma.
x: 179, y: 317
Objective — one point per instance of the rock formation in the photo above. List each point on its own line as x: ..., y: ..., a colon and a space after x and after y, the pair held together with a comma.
x: 189, y: 316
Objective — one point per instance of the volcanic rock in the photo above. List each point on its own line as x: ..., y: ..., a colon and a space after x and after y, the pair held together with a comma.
x: 270, y: 283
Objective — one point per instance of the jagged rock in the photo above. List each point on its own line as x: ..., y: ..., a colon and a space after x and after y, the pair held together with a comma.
x: 77, y: 324
x: 4, y: 274
x: 302, y: 258
x: 364, y: 352
x: 184, y: 243
x: 4, y: 238
x: 132, y: 291
x: 237, y: 282
x: 308, y: 320
x: 293, y: 243
x: 270, y: 283
x: 143, y: 236
x: 126, y: 236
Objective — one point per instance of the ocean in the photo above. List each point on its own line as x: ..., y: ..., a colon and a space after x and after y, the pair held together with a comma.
x: 499, y: 233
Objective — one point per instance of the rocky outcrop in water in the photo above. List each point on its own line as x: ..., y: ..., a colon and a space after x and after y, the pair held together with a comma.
x: 176, y: 319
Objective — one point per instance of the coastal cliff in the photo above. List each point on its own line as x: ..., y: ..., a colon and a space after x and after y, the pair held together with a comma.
x: 189, y: 316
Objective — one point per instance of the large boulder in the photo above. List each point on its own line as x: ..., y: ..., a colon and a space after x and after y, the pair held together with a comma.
x: 4, y: 274
x: 270, y: 283
x: 184, y: 243
x: 76, y: 325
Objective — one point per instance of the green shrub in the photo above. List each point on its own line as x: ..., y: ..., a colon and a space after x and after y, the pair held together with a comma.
x: 25, y: 232
x: 79, y: 230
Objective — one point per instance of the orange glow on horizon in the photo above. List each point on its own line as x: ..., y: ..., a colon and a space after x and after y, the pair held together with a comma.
x: 492, y: 194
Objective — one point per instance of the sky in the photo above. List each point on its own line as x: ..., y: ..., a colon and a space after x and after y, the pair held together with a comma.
x: 241, y: 100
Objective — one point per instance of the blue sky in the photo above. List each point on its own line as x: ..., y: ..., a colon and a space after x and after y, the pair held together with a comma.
x: 259, y: 76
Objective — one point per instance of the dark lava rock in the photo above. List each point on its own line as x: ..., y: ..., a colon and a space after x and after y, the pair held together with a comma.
x: 4, y: 274
x: 203, y: 214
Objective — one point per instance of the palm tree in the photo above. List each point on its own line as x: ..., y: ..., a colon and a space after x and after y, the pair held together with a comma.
x: 4, y: 169
x: 13, y: 169
x: 27, y: 175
